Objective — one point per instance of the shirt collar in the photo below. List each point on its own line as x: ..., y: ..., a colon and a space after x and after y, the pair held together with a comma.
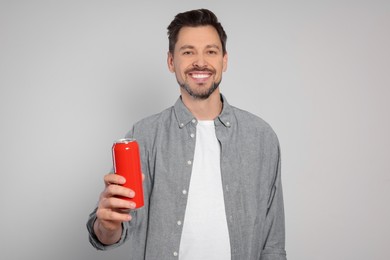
x: 184, y: 116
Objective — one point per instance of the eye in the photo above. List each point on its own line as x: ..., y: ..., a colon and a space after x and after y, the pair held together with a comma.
x: 212, y: 52
x: 186, y: 52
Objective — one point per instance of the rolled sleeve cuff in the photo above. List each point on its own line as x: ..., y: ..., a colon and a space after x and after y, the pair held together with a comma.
x: 95, y: 241
x: 273, y: 254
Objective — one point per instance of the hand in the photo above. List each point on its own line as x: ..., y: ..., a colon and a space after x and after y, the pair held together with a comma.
x: 112, y: 211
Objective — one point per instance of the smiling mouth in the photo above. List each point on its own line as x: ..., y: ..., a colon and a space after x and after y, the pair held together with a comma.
x: 197, y: 75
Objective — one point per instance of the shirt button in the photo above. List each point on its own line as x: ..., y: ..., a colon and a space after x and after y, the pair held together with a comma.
x: 189, y: 162
x: 181, y: 124
x: 184, y: 192
x: 192, y: 135
x: 179, y: 223
x: 193, y: 121
x: 228, y: 123
x: 175, y: 253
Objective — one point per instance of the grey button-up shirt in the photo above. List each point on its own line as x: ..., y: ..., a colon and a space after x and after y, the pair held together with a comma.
x: 250, y: 168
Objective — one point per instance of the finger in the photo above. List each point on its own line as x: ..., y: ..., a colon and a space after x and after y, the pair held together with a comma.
x: 117, y: 190
x: 112, y: 216
x: 117, y: 204
x: 113, y: 178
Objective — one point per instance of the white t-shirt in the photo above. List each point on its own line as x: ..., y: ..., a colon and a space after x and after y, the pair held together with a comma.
x: 205, y: 232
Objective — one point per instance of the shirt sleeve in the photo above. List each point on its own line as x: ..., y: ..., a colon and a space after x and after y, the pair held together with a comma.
x: 274, y: 231
x: 95, y: 241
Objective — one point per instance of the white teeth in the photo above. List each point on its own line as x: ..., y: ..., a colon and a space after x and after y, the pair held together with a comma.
x: 200, y: 76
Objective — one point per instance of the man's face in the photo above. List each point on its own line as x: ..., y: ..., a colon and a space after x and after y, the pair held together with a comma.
x: 198, y: 61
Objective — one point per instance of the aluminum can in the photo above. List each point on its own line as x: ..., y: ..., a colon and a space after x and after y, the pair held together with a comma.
x: 127, y: 163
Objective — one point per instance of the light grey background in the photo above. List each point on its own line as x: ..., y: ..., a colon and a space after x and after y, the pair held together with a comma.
x: 75, y: 75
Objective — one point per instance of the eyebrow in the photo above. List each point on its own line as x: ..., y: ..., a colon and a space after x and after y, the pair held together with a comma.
x: 187, y: 46
x: 212, y: 46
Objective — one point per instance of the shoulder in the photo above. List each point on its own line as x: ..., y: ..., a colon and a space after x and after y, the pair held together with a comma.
x: 155, y: 119
x: 252, y: 124
x: 149, y: 126
x: 244, y: 117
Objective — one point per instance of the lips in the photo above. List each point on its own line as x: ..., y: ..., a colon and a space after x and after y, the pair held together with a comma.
x: 200, y: 75
x: 197, y: 75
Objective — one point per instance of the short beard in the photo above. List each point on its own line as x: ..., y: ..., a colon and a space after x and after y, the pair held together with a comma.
x: 200, y: 96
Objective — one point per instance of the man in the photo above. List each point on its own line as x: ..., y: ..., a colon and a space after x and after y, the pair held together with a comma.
x: 212, y: 184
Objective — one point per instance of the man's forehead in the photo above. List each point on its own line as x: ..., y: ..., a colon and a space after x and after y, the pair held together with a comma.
x: 207, y: 36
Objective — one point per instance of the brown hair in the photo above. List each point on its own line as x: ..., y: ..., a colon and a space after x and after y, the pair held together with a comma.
x: 195, y: 18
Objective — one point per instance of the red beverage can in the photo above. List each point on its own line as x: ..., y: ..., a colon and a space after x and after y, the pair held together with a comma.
x: 127, y: 163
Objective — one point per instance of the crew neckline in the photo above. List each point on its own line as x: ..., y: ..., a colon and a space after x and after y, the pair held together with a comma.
x: 206, y: 122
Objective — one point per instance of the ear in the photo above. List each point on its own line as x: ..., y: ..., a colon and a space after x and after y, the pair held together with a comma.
x: 170, y: 63
x: 225, y: 62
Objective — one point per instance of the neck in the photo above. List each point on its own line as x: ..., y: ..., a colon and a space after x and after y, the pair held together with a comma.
x: 203, y: 109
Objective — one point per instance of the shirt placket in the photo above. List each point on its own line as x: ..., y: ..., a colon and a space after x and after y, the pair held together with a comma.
x: 189, y: 135
x: 230, y: 186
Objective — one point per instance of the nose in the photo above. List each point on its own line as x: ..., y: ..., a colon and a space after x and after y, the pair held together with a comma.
x: 200, y: 61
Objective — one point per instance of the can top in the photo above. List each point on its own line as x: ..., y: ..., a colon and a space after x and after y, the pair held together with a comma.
x: 124, y: 141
